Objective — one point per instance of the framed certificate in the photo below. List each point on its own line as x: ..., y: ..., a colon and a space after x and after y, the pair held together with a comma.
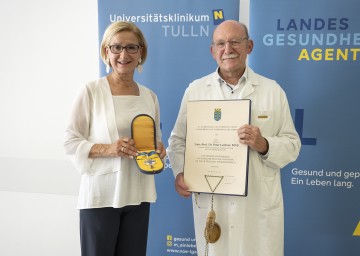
x: 215, y: 161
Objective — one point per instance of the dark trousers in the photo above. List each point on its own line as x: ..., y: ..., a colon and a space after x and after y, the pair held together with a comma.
x: 114, y: 231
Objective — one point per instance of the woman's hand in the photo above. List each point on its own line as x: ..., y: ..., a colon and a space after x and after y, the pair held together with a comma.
x: 124, y: 147
x: 160, y: 149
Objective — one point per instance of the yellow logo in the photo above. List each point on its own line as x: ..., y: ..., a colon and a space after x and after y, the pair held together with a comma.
x: 218, y: 16
x: 357, y: 230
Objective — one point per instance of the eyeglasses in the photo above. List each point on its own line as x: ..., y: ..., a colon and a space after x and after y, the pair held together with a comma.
x: 131, y: 48
x: 234, y: 43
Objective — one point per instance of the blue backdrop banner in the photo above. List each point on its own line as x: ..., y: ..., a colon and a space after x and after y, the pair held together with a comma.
x: 312, y: 49
x: 179, y: 35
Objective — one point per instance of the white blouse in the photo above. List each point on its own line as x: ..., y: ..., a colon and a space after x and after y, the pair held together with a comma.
x: 99, y: 117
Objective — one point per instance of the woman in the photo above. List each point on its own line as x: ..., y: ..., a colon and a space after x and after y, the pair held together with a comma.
x: 114, y: 197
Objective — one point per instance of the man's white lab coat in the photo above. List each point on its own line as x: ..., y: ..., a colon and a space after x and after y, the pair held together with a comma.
x: 252, y: 225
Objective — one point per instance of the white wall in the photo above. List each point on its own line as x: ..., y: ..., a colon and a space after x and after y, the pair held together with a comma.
x: 47, y: 50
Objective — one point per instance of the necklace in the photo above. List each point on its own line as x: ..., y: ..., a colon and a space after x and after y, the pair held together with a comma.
x: 212, y: 230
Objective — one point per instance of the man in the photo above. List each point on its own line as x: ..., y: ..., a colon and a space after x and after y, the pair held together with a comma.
x: 252, y: 225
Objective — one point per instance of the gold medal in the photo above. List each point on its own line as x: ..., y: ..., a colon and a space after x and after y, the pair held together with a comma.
x: 213, y: 235
x: 212, y: 230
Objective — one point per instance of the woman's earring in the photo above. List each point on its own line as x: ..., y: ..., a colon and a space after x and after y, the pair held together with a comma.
x: 139, y: 66
x: 108, y: 66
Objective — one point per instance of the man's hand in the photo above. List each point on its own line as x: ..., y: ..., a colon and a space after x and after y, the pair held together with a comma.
x: 180, y: 186
x: 251, y: 136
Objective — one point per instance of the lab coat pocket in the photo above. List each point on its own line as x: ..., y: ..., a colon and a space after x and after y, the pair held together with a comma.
x: 271, y: 193
x: 263, y: 119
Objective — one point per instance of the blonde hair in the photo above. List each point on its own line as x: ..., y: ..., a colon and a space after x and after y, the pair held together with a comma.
x: 117, y: 27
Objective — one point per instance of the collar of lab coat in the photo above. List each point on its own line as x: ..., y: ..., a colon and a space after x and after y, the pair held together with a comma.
x: 252, y: 80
